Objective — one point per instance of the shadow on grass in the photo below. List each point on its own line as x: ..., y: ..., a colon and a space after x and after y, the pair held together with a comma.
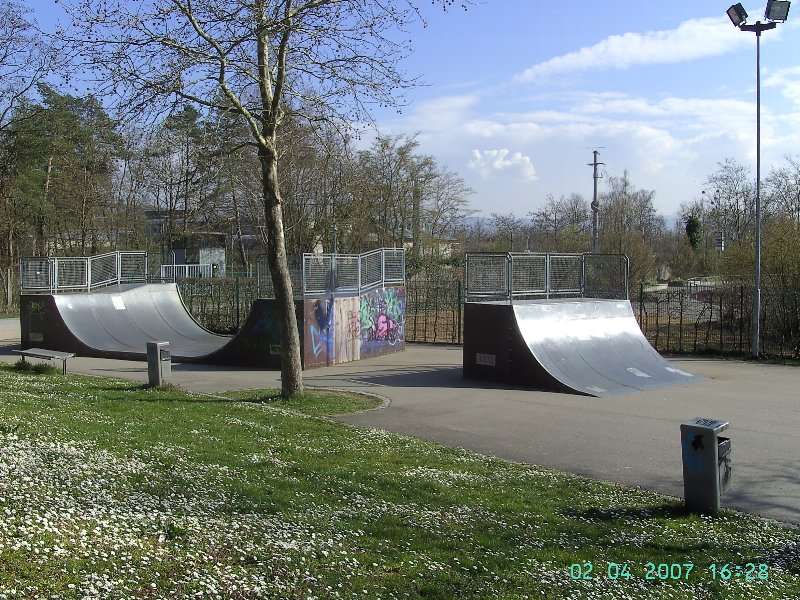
x: 639, y: 513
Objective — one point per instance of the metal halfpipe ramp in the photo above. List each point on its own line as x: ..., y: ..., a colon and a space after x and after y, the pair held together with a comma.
x: 118, y: 321
x: 578, y: 345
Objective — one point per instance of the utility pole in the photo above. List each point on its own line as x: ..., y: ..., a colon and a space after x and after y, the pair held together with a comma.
x: 595, y: 203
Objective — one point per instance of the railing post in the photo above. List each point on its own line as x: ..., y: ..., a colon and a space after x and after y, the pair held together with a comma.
x: 458, y: 323
x: 641, y: 304
x: 583, y: 275
x: 88, y: 274
x: 119, y: 268
x: 547, y: 276
x: 509, y: 276
x: 383, y: 267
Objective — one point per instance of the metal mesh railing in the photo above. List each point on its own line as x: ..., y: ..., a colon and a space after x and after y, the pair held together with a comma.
x: 487, y: 275
x: 36, y: 274
x: 103, y: 269
x: 132, y: 266
x: 70, y: 273
x: 394, y: 266
x: 54, y: 274
x: 347, y: 272
x: 317, y: 273
x: 529, y: 275
x: 353, y: 272
x: 371, y: 269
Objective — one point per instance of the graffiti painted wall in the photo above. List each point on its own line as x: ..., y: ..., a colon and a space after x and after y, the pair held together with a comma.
x: 318, y: 348
x: 349, y: 328
x: 346, y: 329
x: 382, y: 314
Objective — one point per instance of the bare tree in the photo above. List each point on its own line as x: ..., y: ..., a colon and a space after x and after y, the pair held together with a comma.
x: 262, y: 60
x: 25, y: 59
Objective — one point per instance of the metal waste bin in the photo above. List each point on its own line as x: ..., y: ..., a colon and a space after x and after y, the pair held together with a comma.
x: 707, y: 463
x: 159, y: 363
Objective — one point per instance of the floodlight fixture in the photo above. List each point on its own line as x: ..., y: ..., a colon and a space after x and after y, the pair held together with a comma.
x: 737, y: 15
x: 777, y: 10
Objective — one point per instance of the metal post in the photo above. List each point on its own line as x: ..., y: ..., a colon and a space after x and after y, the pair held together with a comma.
x: 595, y: 204
x: 757, y: 28
x: 583, y: 275
x: 757, y: 290
x: 547, y: 276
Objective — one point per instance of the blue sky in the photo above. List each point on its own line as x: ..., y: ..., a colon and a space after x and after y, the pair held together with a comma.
x: 519, y: 91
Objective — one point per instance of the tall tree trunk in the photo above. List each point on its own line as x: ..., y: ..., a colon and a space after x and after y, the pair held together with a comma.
x: 291, y: 363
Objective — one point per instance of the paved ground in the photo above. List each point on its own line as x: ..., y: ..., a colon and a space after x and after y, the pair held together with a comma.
x: 630, y: 439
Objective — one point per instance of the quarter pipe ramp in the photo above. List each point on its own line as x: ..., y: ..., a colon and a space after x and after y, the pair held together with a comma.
x: 118, y: 321
x: 578, y: 345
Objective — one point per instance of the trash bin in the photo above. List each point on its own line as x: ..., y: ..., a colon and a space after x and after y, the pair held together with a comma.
x: 707, y: 463
x: 159, y: 363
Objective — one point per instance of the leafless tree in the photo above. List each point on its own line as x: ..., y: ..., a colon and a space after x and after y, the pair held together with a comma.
x: 262, y: 60
x: 25, y: 59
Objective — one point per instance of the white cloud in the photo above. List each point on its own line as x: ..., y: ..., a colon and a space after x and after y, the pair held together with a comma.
x: 788, y: 81
x: 493, y: 162
x: 692, y: 39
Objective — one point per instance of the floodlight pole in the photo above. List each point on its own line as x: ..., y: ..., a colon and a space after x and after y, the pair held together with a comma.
x: 755, y: 346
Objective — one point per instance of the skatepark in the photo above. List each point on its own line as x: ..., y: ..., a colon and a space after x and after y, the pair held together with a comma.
x: 623, y: 429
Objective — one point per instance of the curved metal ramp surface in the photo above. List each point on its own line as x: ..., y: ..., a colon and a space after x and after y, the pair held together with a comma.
x: 122, y: 319
x: 580, y: 345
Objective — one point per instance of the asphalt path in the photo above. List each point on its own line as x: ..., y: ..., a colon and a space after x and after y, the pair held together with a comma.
x: 631, y: 439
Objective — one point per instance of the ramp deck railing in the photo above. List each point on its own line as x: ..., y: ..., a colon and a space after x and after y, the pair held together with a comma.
x: 48, y: 274
x: 315, y: 274
x: 353, y: 273
x: 511, y: 276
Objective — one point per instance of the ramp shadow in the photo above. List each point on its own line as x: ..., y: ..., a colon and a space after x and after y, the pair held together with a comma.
x: 434, y: 376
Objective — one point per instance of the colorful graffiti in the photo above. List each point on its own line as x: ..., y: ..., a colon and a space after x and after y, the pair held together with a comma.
x: 349, y: 328
x: 382, y: 316
x: 318, y: 343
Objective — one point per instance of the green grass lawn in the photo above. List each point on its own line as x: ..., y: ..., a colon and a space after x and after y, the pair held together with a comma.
x: 110, y: 490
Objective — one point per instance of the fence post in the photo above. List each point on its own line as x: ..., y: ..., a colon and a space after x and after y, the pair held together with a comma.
x: 9, y: 289
x: 547, y: 276
x: 55, y: 274
x: 741, y: 315
x: 680, y: 322
x: 641, y: 305
x: 118, y: 262
x: 583, y: 275
x: 236, y: 289
x: 721, y: 317
x: 458, y: 322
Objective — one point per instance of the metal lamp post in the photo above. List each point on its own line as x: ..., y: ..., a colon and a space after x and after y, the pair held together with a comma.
x: 777, y: 11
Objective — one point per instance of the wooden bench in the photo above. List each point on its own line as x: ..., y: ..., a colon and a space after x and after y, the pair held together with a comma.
x: 48, y: 355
